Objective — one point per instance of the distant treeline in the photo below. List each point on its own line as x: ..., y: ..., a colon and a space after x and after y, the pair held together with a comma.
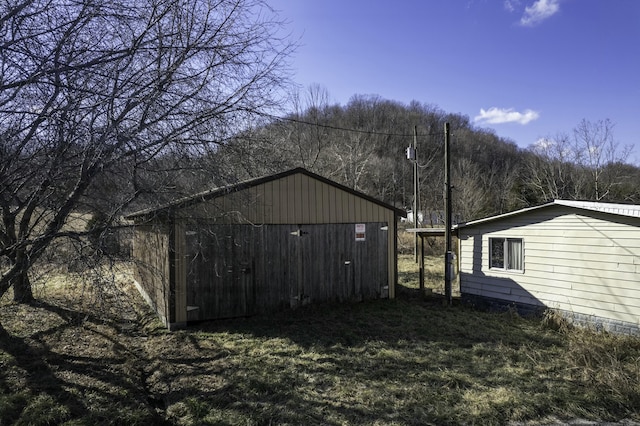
x: 363, y: 145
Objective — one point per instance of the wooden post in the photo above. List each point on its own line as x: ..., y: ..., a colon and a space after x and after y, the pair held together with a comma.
x: 448, y: 257
x: 421, y: 274
x: 416, y: 196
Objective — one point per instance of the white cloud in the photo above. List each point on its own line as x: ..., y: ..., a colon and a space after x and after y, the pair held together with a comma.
x: 539, y: 11
x: 511, y: 5
x: 501, y: 115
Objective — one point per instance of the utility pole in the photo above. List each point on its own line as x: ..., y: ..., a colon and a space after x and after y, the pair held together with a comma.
x: 412, y: 155
x: 416, y: 189
x: 448, y: 259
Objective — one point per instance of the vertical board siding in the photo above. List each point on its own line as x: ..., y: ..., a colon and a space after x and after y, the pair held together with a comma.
x: 151, y: 251
x: 312, y: 195
x: 179, y: 274
x: 585, y: 264
x: 236, y: 251
x: 290, y: 200
x: 326, y: 202
x: 240, y: 270
x: 281, y: 195
x: 333, y: 206
x: 267, y: 198
x: 301, y: 199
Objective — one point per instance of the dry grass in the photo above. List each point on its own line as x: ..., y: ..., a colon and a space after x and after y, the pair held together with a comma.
x: 71, y: 360
x: 409, y: 275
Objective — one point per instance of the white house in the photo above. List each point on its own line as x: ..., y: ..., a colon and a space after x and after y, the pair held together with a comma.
x: 581, y: 258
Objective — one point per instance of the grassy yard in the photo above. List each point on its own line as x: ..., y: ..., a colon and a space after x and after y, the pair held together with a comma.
x: 76, y: 358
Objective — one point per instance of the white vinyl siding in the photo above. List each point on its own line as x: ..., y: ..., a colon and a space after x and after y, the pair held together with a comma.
x: 578, y: 261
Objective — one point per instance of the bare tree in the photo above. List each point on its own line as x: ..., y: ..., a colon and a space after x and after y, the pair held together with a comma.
x: 551, y: 170
x: 310, y: 139
x: 585, y: 165
x: 596, y: 153
x: 91, y: 92
x: 470, y: 193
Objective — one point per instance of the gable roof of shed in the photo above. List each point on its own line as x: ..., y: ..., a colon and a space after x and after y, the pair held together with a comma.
x: 229, y: 189
x: 627, y: 210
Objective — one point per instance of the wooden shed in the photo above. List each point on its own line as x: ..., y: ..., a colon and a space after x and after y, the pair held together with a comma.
x: 263, y: 245
x: 580, y: 258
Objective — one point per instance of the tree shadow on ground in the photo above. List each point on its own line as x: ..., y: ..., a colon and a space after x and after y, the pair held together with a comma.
x: 74, y: 361
x: 402, y: 360
x: 410, y: 360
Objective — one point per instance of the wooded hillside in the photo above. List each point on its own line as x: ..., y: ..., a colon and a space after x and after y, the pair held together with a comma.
x: 362, y: 145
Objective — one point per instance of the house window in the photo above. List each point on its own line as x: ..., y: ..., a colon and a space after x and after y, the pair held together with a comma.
x: 506, y: 253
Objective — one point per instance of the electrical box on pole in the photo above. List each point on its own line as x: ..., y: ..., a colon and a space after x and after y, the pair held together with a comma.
x: 411, y: 153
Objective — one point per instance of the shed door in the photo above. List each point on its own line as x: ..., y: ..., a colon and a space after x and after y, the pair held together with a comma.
x: 220, y: 277
x: 241, y: 270
x: 334, y: 266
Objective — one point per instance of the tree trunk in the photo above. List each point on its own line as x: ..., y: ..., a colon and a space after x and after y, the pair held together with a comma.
x: 22, y: 288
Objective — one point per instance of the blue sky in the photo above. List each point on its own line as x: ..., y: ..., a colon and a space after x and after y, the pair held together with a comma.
x: 527, y: 69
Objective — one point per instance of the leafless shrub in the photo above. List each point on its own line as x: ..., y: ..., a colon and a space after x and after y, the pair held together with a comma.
x: 553, y: 319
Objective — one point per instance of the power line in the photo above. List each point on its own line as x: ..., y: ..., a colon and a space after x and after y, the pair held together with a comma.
x: 344, y: 129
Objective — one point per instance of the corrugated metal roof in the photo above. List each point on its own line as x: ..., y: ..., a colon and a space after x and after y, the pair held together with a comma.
x: 632, y: 210
x: 629, y: 210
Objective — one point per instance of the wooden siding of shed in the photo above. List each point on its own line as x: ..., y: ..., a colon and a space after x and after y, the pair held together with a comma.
x: 240, y: 270
x: 297, y: 199
x: 582, y: 263
x: 152, y: 272
x: 178, y: 295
